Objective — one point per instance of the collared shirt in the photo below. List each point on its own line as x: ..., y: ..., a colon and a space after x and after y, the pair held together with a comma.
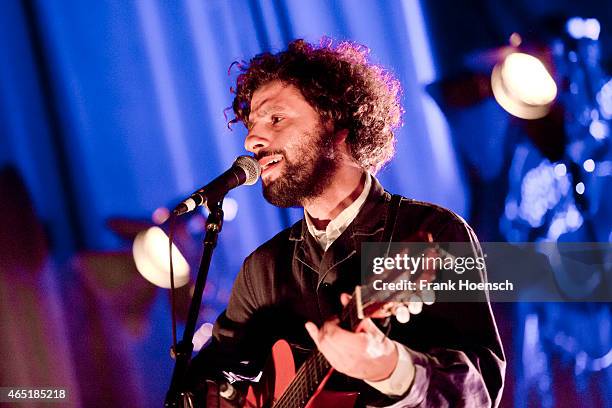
x: 336, y: 227
x: 403, y: 375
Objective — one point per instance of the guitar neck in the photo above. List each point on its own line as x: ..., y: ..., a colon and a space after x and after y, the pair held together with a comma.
x: 314, y: 370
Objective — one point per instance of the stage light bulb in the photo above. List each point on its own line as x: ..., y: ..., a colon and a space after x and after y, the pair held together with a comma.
x: 528, y: 79
x: 523, y: 86
x: 150, y: 251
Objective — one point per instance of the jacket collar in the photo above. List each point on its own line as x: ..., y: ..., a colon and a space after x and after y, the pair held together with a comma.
x: 365, y: 222
x: 367, y: 226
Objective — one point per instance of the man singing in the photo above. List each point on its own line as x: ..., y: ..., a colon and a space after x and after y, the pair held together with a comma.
x: 321, y: 123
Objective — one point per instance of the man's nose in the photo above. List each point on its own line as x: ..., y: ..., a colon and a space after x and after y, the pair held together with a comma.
x: 254, y: 142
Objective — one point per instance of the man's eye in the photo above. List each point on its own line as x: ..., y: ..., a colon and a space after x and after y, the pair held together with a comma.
x: 276, y: 119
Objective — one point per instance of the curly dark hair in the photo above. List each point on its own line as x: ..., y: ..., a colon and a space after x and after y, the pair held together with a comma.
x: 340, y: 84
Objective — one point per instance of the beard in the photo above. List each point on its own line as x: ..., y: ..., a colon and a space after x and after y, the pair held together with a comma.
x: 307, y: 175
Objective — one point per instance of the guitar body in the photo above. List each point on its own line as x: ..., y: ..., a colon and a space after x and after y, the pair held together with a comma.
x: 279, y: 374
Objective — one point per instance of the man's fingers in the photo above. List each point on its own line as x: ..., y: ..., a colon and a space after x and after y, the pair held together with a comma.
x: 329, y: 330
x: 346, y: 350
x: 313, y: 331
x: 345, y: 298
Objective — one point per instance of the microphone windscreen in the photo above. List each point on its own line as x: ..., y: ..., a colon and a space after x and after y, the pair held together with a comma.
x: 251, y: 167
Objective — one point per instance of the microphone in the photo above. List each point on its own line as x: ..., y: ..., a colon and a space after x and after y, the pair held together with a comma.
x: 245, y: 170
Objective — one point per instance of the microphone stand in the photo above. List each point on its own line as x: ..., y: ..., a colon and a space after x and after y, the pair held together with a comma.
x: 177, y: 396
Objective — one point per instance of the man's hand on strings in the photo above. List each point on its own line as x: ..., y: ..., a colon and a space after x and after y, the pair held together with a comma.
x: 365, y: 354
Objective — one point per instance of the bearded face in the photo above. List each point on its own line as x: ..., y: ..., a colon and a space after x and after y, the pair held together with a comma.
x: 293, y: 145
x: 307, y: 170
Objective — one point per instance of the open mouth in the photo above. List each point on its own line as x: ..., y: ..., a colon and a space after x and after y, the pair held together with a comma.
x: 269, y: 162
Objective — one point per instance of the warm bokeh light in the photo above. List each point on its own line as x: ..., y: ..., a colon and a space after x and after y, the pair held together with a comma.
x: 160, y: 215
x: 515, y: 39
x: 527, y: 78
x: 523, y: 86
x: 150, y: 251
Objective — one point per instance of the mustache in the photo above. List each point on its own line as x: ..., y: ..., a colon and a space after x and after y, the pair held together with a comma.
x: 263, y: 153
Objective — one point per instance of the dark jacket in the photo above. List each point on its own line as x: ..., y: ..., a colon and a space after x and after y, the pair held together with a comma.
x: 289, y: 280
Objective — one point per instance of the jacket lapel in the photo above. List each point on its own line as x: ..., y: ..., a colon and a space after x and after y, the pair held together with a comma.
x: 368, y: 226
